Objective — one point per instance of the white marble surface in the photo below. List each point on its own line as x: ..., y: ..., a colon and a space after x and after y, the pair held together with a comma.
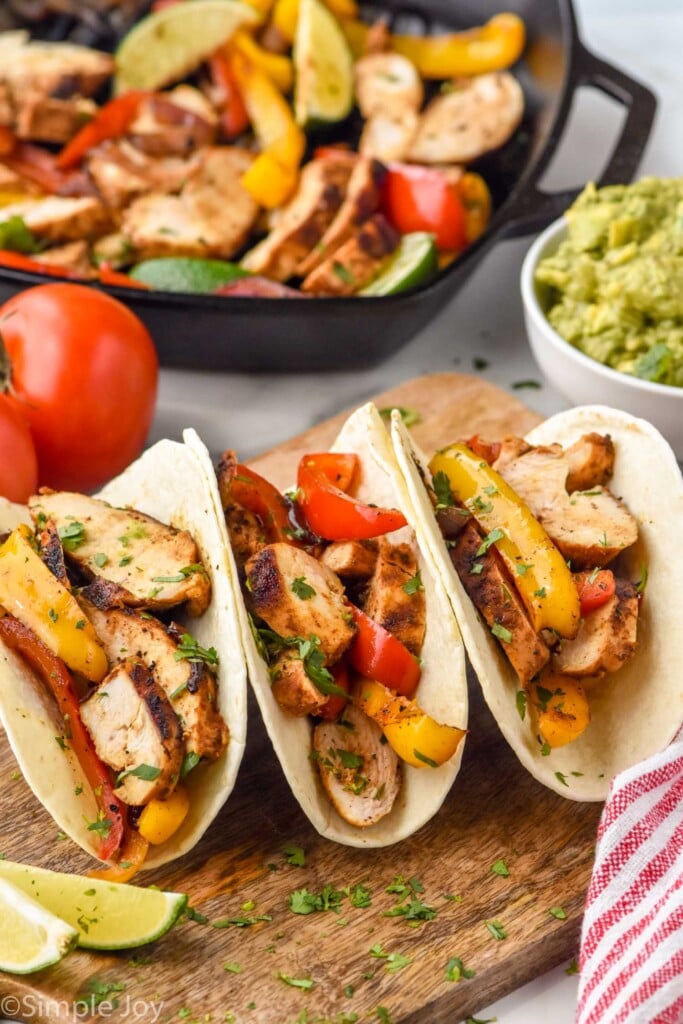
x: 485, y: 319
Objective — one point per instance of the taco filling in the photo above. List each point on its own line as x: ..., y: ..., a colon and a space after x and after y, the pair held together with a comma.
x: 535, y: 535
x: 338, y: 612
x: 88, y: 599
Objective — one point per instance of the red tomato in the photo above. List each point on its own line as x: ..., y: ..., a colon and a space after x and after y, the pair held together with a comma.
x: 418, y: 198
x: 595, y: 588
x: 83, y: 373
x: 18, y: 462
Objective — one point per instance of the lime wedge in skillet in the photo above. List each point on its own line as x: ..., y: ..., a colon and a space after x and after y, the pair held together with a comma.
x: 31, y: 937
x: 99, y: 914
x: 172, y: 42
x: 323, y: 66
x: 186, y: 274
x: 414, y: 262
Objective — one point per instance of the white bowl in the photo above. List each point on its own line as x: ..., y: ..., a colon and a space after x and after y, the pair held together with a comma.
x: 583, y: 380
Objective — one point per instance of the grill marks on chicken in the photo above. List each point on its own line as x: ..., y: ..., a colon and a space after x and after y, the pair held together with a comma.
x: 606, y: 639
x: 490, y: 588
x: 292, y: 688
x: 132, y: 724
x: 272, y: 577
x: 360, y: 773
x: 142, y: 562
x: 189, y: 686
x: 401, y: 611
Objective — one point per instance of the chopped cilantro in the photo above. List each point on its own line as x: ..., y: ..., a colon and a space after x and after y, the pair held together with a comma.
x: 360, y: 896
x: 414, y: 584
x: 190, y: 650
x: 642, y: 582
x: 302, y: 589
x: 240, y: 922
x: 501, y: 632
x: 522, y: 568
x: 572, y: 968
x: 476, y: 568
x: 479, y: 363
x: 561, y: 778
x: 520, y: 704
x: 102, y: 825
x: 497, y: 930
x: 456, y: 970
x: 146, y: 772
x: 98, y: 992
x: 100, y: 559
x: 546, y: 749
x: 541, y: 592
x: 499, y: 867
x: 409, y: 416
x: 80, y: 624
x: 558, y: 913
x: 343, y: 273
x: 303, y: 983
x: 126, y: 560
x: 519, y: 384
x: 190, y: 761
x: 295, y: 856
x: 490, y: 539
x: 72, y: 536
x: 442, y: 489
x: 426, y: 760
x: 382, y: 1015
x: 16, y: 236
x: 348, y: 758
x: 52, y: 615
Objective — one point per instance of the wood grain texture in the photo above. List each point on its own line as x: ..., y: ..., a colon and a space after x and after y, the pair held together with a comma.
x: 495, y: 810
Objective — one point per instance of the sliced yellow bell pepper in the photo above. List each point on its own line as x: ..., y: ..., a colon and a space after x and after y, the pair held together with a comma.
x: 282, y: 142
x: 133, y: 854
x: 541, y: 575
x: 278, y: 67
x: 492, y: 47
x: 30, y: 592
x: 561, y: 709
x: 264, y: 7
x: 476, y: 199
x: 160, y: 819
x: 286, y: 15
x: 414, y: 735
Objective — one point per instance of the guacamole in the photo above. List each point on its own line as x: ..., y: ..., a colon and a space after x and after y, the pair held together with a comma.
x: 614, y: 288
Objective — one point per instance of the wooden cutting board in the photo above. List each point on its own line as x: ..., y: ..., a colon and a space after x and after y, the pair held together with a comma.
x: 495, y: 811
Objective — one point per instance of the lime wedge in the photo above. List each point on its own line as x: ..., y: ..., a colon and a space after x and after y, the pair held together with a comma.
x: 31, y: 937
x: 323, y: 66
x: 187, y: 274
x: 169, y: 44
x: 100, y: 915
x: 414, y: 262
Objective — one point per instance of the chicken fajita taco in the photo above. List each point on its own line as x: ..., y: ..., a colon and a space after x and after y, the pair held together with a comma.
x: 559, y: 552
x: 353, y: 650
x: 122, y: 676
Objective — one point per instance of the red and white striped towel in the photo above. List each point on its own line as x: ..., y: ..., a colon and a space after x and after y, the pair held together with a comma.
x: 632, y: 940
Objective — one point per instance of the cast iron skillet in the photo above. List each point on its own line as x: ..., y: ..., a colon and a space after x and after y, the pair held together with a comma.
x: 285, y: 335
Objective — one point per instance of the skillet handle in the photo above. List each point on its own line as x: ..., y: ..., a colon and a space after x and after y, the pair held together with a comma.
x: 532, y: 210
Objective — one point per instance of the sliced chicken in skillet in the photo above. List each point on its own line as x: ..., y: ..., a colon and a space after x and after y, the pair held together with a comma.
x: 140, y: 560
x: 132, y: 724
x: 606, y: 639
x: 52, y: 69
x: 48, y: 119
x: 361, y: 774
x: 174, y: 123
x: 361, y: 201
x: 590, y: 528
x: 72, y: 256
x: 478, y: 115
x: 189, y: 685
x: 121, y: 172
x: 389, y: 137
x: 400, y: 611
x: 356, y: 263
x: 60, y: 218
x: 387, y: 83
x: 494, y: 595
x: 297, y: 596
x: 304, y: 221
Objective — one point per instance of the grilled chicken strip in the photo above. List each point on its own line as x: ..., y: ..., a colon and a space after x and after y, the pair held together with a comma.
x: 52, y: 552
x: 59, y: 218
x: 478, y: 115
x: 73, y: 256
x: 132, y: 723
x: 354, y: 559
x: 589, y: 528
x: 292, y: 688
x: 141, y: 561
x: 387, y: 83
x: 361, y: 201
x: 189, y: 685
x: 48, y: 119
x: 401, y: 611
x: 121, y: 172
x: 361, y: 774
x: 494, y: 595
x: 52, y: 69
x: 174, y: 123
x: 304, y: 220
x: 212, y: 216
x: 606, y: 639
x: 279, y: 579
x: 591, y: 462
x: 357, y: 262
x: 389, y: 137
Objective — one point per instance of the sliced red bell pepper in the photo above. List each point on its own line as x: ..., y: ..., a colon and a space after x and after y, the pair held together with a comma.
x: 7, y: 141
x: 379, y: 655
x: 257, y: 495
x: 415, y: 198
x: 334, y: 705
x: 234, y: 117
x: 486, y: 450
x: 40, y: 166
x: 18, y: 261
x: 57, y: 679
x: 110, y: 122
x: 333, y: 151
x: 595, y: 589
x: 339, y: 468
x: 108, y: 275
x: 334, y: 515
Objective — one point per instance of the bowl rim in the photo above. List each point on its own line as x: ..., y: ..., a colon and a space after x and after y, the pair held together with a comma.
x: 533, y: 307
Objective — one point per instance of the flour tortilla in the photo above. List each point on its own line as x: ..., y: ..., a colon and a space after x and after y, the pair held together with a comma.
x: 173, y: 483
x: 442, y: 691
x: 638, y: 710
